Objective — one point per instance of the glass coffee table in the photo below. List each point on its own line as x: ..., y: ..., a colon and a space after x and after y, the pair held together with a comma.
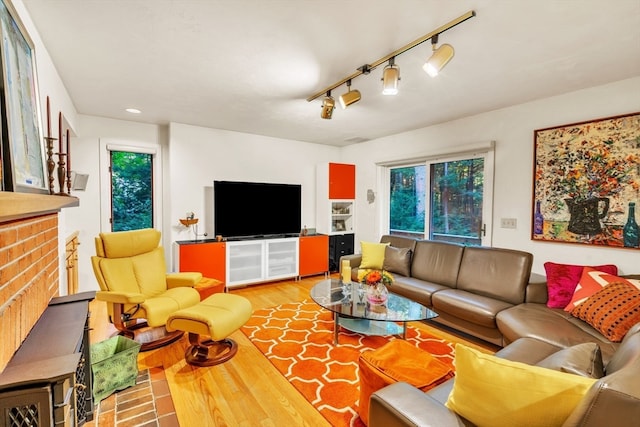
x: 352, y: 311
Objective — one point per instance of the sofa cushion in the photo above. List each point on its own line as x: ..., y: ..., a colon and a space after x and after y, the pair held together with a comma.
x: 592, y: 281
x: 551, y: 325
x: 471, y: 307
x: 397, y: 260
x: 613, y: 310
x: 484, y: 381
x: 502, y: 274
x: 372, y: 255
x: 583, y: 359
x: 437, y: 262
x: 562, y: 280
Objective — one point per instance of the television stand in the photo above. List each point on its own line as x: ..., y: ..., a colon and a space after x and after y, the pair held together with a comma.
x: 261, y: 260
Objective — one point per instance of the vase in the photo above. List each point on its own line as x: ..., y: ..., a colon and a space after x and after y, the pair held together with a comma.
x: 377, y: 294
x: 630, y: 232
x: 538, y: 220
x: 585, y: 215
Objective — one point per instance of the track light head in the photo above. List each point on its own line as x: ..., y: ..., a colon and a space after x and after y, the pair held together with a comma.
x: 328, y: 105
x: 390, y: 78
x: 351, y: 97
x: 440, y: 57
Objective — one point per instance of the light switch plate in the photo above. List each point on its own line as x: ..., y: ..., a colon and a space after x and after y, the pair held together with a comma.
x: 508, y: 223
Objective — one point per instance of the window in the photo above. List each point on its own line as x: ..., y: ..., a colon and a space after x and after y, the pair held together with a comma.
x: 444, y: 198
x: 131, y: 190
x: 130, y: 185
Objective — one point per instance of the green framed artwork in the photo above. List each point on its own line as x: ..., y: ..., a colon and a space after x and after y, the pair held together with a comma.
x: 586, y: 183
x: 22, y: 140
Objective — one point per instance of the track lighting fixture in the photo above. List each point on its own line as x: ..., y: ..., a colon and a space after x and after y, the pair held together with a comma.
x: 351, y: 97
x: 328, y: 105
x: 440, y: 57
x: 390, y: 78
x: 391, y: 73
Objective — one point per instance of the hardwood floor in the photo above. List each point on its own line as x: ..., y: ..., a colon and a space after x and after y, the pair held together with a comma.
x: 247, y: 390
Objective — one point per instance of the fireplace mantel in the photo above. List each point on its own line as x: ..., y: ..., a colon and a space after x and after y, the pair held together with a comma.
x: 24, y: 205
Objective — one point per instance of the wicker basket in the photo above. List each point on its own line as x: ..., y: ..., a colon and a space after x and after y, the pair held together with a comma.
x: 114, y: 365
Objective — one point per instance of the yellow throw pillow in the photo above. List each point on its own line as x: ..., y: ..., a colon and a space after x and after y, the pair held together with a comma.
x: 495, y: 392
x: 372, y: 255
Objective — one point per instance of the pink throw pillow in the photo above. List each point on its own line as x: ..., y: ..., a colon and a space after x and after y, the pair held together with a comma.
x: 562, y: 280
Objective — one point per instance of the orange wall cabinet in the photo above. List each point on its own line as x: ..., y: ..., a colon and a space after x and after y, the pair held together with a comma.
x: 313, y: 255
x: 336, y: 195
x: 207, y: 257
x: 342, y: 181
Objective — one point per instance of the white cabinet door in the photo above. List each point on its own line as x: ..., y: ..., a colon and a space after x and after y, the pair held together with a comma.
x: 282, y: 258
x: 255, y: 261
x: 245, y: 262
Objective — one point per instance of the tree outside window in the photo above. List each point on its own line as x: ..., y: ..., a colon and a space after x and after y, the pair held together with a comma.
x: 131, y: 190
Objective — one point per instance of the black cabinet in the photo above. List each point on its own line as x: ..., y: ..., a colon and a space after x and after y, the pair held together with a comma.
x: 339, y: 244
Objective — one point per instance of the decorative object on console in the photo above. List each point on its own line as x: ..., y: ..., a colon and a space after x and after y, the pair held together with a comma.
x: 562, y: 280
x: 585, y: 175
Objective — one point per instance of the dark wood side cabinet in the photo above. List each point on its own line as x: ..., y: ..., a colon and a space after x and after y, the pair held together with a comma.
x: 47, y: 382
x: 339, y: 244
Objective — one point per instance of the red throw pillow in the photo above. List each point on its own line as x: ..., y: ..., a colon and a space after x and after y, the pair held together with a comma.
x: 612, y: 310
x: 562, y: 280
x: 591, y: 282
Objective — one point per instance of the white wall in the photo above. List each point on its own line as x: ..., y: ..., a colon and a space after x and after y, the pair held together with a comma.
x: 512, y: 129
x: 49, y: 84
x: 86, y: 156
x: 195, y: 156
x: 198, y: 156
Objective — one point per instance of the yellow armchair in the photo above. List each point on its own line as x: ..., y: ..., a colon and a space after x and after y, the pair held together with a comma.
x: 140, y: 294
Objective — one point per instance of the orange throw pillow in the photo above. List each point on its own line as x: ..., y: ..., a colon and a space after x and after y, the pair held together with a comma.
x: 591, y: 282
x: 613, y: 310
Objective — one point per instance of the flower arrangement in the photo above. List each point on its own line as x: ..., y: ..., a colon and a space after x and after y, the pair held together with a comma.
x: 373, y: 277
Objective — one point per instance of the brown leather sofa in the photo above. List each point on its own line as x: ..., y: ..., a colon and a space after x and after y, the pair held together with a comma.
x: 490, y: 293
x: 466, y: 286
x: 613, y: 400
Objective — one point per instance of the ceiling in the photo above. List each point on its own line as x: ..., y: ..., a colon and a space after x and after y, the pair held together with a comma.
x: 250, y: 65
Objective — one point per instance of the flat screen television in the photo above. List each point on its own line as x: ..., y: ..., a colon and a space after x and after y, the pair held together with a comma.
x: 256, y: 209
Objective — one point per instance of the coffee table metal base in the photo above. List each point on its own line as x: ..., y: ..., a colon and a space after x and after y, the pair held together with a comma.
x: 367, y: 327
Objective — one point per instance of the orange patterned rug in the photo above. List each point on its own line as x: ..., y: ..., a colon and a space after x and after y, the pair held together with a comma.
x: 298, y: 339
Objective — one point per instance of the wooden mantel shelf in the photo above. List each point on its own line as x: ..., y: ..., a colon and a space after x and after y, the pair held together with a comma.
x: 24, y: 205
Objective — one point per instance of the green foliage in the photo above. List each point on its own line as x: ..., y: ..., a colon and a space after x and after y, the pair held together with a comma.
x: 131, y: 190
x: 456, y: 198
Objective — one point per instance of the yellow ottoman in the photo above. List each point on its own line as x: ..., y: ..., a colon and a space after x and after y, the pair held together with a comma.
x: 217, y: 317
x: 396, y: 361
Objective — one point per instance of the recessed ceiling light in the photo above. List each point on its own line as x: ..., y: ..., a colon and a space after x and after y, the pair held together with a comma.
x: 133, y: 111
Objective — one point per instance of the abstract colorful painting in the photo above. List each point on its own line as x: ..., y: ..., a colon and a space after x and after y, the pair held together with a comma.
x: 587, y: 182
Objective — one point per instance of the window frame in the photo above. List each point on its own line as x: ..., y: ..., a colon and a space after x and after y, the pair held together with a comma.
x: 107, y: 145
x: 486, y: 150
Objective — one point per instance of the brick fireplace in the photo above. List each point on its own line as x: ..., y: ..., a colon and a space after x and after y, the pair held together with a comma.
x: 28, y: 277
x: 29, y: 263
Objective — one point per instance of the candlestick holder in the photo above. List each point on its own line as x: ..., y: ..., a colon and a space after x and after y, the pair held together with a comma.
x: 62, y: 174
x: 51, y: 165
x: 69, y: 181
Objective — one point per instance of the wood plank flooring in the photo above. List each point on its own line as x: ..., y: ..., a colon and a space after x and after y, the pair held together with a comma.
x: 247, y: 390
